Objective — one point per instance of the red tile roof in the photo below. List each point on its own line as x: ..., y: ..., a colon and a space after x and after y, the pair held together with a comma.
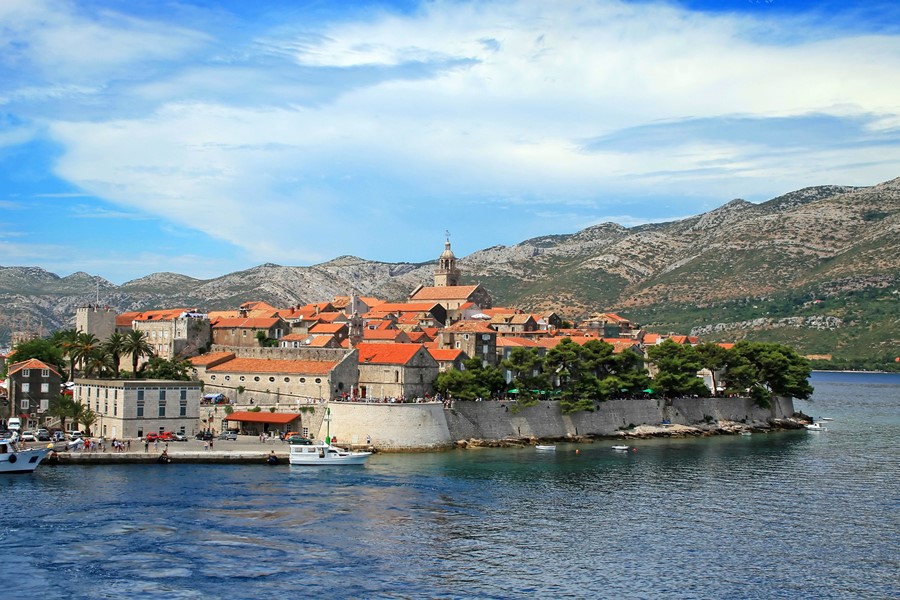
x: 450, y: 292
x: 205, y: 359
x: 445, y: 354
x: 270, y: 365
x: 387, y: 354
x: 246, y: 323
x: 31, y: 363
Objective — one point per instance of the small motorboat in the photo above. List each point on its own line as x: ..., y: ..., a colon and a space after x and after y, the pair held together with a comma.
x: 545, y: 447
x: 621, y: 448
x: 815, y: 427
x: 323, y: 453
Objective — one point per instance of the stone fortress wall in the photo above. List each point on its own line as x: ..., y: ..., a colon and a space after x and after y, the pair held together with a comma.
x: 430, y: 426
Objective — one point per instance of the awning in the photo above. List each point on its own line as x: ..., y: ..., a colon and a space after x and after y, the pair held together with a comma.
x: 262, y: 416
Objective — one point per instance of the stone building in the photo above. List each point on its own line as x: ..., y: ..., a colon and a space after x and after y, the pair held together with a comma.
x: 395, y: 371
x: 32, y: 384
x: 447, y: 292
x: 475, y: 338
x: 132, y: 408
x: 99, y: 321
x: 277, y: 376
x: 172, y: 333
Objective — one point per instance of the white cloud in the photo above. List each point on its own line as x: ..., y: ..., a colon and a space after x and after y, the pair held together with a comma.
x: 489, y: 102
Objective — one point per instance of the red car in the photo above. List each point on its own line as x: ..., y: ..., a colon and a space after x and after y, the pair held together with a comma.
x: 152, y: 437
x: 167, y: 436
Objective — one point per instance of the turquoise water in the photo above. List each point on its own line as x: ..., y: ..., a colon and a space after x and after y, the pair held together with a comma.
x: 787, y: 515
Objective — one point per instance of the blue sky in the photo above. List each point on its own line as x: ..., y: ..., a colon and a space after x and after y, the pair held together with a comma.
x: 205, y: 137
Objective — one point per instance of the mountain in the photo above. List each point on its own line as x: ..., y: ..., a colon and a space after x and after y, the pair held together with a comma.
x: 817, y: 268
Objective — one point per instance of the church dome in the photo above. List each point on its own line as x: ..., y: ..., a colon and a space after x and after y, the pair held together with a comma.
x: 447, y: 253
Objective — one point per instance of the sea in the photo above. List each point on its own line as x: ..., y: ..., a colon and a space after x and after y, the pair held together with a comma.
x: 791, y: 514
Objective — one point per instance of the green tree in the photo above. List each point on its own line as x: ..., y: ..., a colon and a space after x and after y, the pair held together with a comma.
x: 42, y: 349
x: 677, y: 366
x: 527, y: 368
x: 162, y: 368
x: 84, y: 346
x: 115, y: 347
x: 61, y: 408
x: 137, y: 346
x: 66, y: 340
x: 763, y: 369
x: 713, y: 357
x: 88, y: 419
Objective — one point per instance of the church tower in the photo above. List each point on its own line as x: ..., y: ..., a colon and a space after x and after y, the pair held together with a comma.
x: 446, y: 274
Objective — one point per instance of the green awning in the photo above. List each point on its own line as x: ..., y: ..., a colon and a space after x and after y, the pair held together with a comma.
x: 648, y: 391
x: 515, y: 391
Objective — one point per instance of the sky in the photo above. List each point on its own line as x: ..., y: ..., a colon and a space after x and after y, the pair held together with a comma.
x: 205, y: 137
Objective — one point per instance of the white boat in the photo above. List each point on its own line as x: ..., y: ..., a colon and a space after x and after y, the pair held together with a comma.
x: 621, y: 448
x: 544, y: 447
x: 815, y: 427
x: 321, y: 453
x: 14, y: 460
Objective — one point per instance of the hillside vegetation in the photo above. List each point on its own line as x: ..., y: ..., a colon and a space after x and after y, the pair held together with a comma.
x: 816, y: 268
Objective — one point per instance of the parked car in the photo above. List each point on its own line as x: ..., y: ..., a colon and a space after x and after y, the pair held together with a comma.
x: 180, y: 437
x: 42, y: 435
x: 76, y: 435
x: 204, y: 436
x: 151, y: 437
x: 299, y: 440
x: 28, y: 436
x: 167, y: 436
x: 227, y: 435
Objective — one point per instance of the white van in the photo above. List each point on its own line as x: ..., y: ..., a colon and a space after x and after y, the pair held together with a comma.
x: 14, y: 424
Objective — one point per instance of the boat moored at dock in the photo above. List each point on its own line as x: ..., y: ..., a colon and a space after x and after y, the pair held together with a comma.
x: 322, y: 453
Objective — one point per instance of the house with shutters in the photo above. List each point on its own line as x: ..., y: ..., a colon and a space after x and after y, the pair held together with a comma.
x: 31, y: 384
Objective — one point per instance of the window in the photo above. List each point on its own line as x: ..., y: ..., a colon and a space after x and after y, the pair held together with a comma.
x: 256, y: 378
x: 140, y: 394
x: 45, y: 372
x: 26, y: 372
x: 287, y: 379
x: 105, y: 407
x: 45, y: 388
x: 25, y: 404
x: 182, y: 409
x: 212, y: 377
x: 45, y: 405
x: 26, y: 387
x: 272, y: 379
x: 140, y: 409
x: 183, y: 395
x: 115, y: 408
x: 162, y: 394
x: 318, y: 380
x: 484, y: 349
x: 466, y: 336
x: 228, y: 378
x: 303, y: 380
x: 242, y: 377
x: 162, y: 408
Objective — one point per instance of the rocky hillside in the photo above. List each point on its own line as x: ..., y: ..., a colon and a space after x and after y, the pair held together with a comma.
x: 815, y: 260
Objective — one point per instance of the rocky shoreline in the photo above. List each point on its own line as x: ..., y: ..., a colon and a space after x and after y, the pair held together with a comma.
x: 651, y: 431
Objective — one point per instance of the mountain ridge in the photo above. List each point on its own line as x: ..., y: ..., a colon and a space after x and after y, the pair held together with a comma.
x: 814, y: 243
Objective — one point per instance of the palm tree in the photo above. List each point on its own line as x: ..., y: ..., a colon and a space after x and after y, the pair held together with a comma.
x: 115, y: 346
x: 137, y: 346
x: 61, y: 408
x: 88, y: 418
x: 98, y: 363
x: 84, y: 345
x: 66, y: 339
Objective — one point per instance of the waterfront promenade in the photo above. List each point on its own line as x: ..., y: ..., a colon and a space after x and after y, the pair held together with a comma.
x: 246, y: 449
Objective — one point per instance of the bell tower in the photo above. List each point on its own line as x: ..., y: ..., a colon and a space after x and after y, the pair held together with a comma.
x: 446, y: 274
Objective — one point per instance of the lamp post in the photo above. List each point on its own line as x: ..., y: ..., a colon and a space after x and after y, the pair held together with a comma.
x: 327, y: 425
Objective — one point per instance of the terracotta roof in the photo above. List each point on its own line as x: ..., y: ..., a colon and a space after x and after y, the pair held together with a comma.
x: 517, y: 342
x: 469, y: 326
x: 167, y: 314
x: 321, y: 341
x: 262, y: 416
x: 328, y: 328
x: 501, y: 311
x: 31, y: 363
x: 445, y: 354
x: 269, y: 365
x: 449, y: 292
x: 246, y: 323
x: 385, y: 334
x: 387, y: 354
x: 205, y: 359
